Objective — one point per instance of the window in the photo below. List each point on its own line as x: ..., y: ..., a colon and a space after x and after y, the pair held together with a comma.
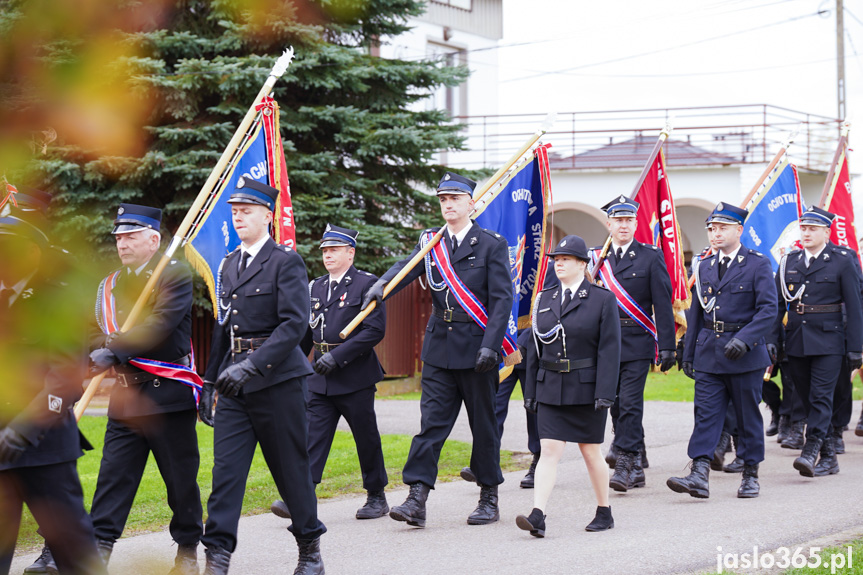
x: 463, y: 4
x: 451, y: 99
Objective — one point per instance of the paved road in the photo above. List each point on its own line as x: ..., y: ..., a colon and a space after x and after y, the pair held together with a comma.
x: 657, y: 531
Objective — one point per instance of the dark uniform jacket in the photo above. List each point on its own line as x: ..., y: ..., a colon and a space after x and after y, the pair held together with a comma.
x: 831, y: 279
x: 745, y: 295
x: 592, y: 329
x: 482, y: 263
x: 358, y: 365
x: 43, y: 344
x: 270, y: 299
x: 642, y: 273
x: 163, y: 332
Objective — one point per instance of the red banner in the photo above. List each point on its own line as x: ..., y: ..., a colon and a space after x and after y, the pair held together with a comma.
x: 843, y: 232
x: 284, y: 231
x: 657, y: 225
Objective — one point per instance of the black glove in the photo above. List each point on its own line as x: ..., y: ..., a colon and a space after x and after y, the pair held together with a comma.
x: 376, y: 292
x: 110, y: 338
x: 600, y: 403
x: 855, y: 360
x: 12, y: 445
x: 205, y: 405
x: 325, y: 364
x: 687, y: 369
x: 735, y: 349
x: 236, y: 376
x: 486, y: 360
x: 530, y: 405
x: 102, y: 359
x: 772, y: 352
x: 667, y: 357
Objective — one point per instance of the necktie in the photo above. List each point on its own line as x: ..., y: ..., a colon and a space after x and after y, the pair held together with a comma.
x: 723, y: 266
x: 567, y: 298
x: 333, y: 285
x: 454, y: 244
x: 245, y: 261
x: 619, y: 254
x: 5, y: 296
x: 811, y: 260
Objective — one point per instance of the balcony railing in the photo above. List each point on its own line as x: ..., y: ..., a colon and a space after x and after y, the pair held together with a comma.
x: 702, y: 136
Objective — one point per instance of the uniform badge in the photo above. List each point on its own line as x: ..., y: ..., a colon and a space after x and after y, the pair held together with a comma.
x: 341, y: 304
x: 826, y: 257
x: 55, y: 404
x: 705, y: 300
x: 446, y: 177
x: 563, y: 243
x: 599, y: 283
x: 241, y: 182
x: 27, y: 293
x: 713, y: 261
x: 739, y: 259
x: 328, y: 228
x: 844, y: 252
x: 632, y: 254
x: 121, y: 211
x: 582, y: 293
x: 790, y: 287
x: 621, y: 199
x: 317, y: 305
x: 710, y: 289
x: 720, y: 207
x: 474, y: 240
x: 554, y: 295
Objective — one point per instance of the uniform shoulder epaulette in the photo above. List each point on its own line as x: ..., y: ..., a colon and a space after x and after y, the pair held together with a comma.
x: 841, y: 250
x: 595, y: 249
x: 600, y: 286
x: 651, y: 246
x: 493, y: 234
x: 429, y: 231
x: 753, y: 252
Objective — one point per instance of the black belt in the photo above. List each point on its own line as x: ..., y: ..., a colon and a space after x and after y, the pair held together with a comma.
x: 450, y: 315
x: 626, y: 322
x: 251, y: 344
x: 567, y: 365
x: 137, y: 377
x: 723, y: 326
x: 325, y: 347
x: 802, y: 309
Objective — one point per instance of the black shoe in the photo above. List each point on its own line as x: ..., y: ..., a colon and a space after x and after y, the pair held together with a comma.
x: 535, y: 523
x: 624, y: 472
x: 413, y: 510
x: 828, y: 464
x: 697, y: 483
x: 838, y: 441
x: 487, y: 510
x: 795, y: 439
x: 527, y: 480
x: 280, y: 509
x: 468, y: 475
x: 636, y: 476
x: 858, y: 431
x: 44, y: 564
x: 784, y: 428
x: 773, y: 428
x: 603, y: 521
x: 375, y: 506
x: 735, y: 466
x: 310, y: 562
x: 644, y: 462
x: 186, y: 562
x: 218, y: 561
x: 718, y: 461
x: 104, y: 547
x: 611, y: 456
x: 749, y: 486
x: 805, y: 464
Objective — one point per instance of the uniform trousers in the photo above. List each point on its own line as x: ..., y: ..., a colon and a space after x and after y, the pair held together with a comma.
x: 54, y: 496
x: 504, y: 392
x: 628, y: 412
x: 358, y: 409
x: 712, y: 394
x: 815, y: 379
x: 275, y: 417
x: 791, y: 405
x: 842, y: 399
x: 443, y: 392
x: 172, y: 439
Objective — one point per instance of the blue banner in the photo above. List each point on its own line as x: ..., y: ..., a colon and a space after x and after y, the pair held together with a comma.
x: 771, y: 226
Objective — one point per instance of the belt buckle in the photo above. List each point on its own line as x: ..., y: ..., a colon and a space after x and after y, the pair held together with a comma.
x: 566, y: 370
x: 447, y: 315
x: 801, y: 308
x: 121, y: 379
x: 238, y: 348
x: 719, y: 327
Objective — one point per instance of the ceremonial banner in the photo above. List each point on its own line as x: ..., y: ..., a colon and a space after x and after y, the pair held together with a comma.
x: 771, y: 226
x: 260, y: 158
x: 843, y: 232
x: 657, y: 225
x: 519, y: 214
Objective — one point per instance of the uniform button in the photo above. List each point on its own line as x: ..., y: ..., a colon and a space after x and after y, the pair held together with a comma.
x: 269, y: 367
x: 234, y: 296
x: 235, y: 312
x: 719, y: 293
x: 236, y: 327
x: 328, y: 309
x: 558, y: 355
x: 807, y: 281
x: 717, y: 307
x: 717, y: 336
x: 449, y: 329
x: 257, y: 290
x: 804, y: 321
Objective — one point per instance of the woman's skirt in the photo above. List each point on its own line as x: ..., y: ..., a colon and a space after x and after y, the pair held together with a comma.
x: 574, y: 423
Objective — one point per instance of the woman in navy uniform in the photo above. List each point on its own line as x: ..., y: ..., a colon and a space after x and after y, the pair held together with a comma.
x: 820, y: 290
x: 572, y: 369
x: 260, y: 372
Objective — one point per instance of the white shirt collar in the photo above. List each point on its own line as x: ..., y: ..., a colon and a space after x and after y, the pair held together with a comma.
x: 732, y: 255
x: 255, y: 248
x: 813, y: 254
x: 340, y: 277
x: 572, y: 288
x: 18, y: 287
x: 625, y: 248
x: 462, y: 234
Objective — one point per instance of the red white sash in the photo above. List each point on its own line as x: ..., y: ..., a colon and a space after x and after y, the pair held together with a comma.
x: 106, y: 317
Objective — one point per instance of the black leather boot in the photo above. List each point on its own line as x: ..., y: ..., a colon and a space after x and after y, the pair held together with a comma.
x: 718, y: 461
x: 611, y: 456
x: 858, y: 431
x: 186, y: 561
x: 697, y: 483
x: 413, y: 510
x: 805, y: 464
x: 636, y: 475
x: 773, y: 428
x: 828, y: 464
x: 280, y: 509
x: 736, y: 466
x: 44, y: 564
x: 486, y: 510
x: 375, y: 506
x: 838, y: 441
x: 468, y: 475
x: 749, y: 486
x: 603, y: 521
x: 310, y: 562
x: 535, y: 523
x: 644, y: 462
x: 218, y: 561
x: 795, y: 439
x: 784, y: 428
x: 621, y: 479
x: 104, y: 547
x: 528, y: 479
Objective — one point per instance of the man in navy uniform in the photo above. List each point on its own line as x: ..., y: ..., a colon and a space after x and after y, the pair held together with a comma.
x: 343, y: 384
x: 42, y: 351
x: 641, y: 273
x: 260, y: 371
x: 726, y: 350
x: 820, y: 290
x: 460, y: 356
